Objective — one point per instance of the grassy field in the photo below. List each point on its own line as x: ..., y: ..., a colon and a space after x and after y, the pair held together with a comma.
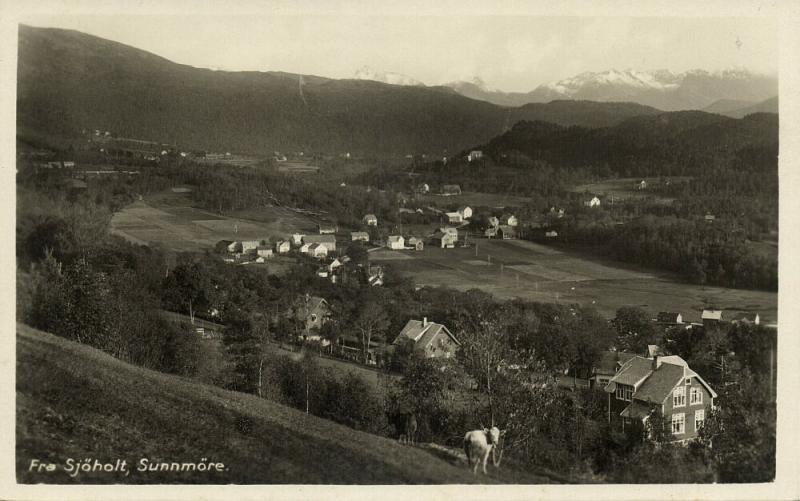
x: 474, y: 199
x: 77, y: 402
x: 169, y: 220
x: 520, y: 269
x: 624, y: 188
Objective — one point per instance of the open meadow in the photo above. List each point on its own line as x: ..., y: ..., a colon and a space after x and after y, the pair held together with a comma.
x: 626, y: 188
x: 474, y: 199
x: 169, y: 220
x: 519, y: 269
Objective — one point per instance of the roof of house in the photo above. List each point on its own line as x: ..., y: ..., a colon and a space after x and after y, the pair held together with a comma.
x: 660, y: 383
x: 421, y: 334
x: 635, y: 370
x: 313, y: 304
x: 451, y: 187
x: 656, y: 384
x: 370, y: 216
x: 712, y: 315
x: 440, y: 235
x: 636, y: 410
x: 319, y: 239
x: 463, y: 208
x: 453, y: 214
x: 413, y: 240
x: 394, y: 239
x: 359, y: 234
x: 313, y: 247
x: 609, y: 361
x: 667, y: 316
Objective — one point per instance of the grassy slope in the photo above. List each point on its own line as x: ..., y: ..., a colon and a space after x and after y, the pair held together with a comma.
x: 75, y: 401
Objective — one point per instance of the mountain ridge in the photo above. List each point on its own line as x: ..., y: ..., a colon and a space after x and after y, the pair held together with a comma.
x: 69, y: 81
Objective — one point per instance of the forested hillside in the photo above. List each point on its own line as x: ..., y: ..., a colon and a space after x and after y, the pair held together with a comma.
x: 69, y: 81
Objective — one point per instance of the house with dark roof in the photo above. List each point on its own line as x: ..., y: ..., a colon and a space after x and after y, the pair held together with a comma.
x: 359, y: 236
x: 313, y: 312
x: 669, y: 318
x: 643, y: 386
x: 444, y: 240
x: 745, y: 318
x: 429, y: 338
x: 607, y: 367
x: 328, y: 240
x: 505, y: 232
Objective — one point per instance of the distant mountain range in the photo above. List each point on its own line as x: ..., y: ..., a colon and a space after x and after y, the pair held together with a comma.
x: 69, y: 81
x: 740, y: 109
x: 662, y: 89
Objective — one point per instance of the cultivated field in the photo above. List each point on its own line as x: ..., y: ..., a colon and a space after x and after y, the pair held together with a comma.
x: 474, y: 199
x: 168, y: 220
x: 297, y: 167
x: 625, y: 188
x: 520, y: 269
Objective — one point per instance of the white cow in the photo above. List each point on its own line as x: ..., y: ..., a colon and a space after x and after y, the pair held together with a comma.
x: 478, y: 444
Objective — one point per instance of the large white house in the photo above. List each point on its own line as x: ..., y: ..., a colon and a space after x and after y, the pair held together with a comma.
x: 396, y: 242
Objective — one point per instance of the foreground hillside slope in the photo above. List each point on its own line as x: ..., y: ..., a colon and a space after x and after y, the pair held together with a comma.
x: 69, y: 81
x: 76, y: 402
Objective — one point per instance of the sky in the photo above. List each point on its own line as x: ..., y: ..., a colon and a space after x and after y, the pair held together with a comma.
x: 509, y: 53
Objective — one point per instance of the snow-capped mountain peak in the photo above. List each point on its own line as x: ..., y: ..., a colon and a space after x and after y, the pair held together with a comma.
x: 367, y: 73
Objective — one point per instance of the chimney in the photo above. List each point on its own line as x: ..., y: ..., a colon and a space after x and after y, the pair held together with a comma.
x: 424, y: 321
x: 655, y: 361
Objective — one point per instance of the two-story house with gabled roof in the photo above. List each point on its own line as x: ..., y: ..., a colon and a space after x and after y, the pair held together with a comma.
x: 643, y: 386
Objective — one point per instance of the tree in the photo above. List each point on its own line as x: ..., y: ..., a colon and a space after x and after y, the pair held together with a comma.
x: 739, y: 432
x: 247, y: 342
x: 483, y: 351
x: 370, y: 322
x: 634, y: 329
x: 188, y: 284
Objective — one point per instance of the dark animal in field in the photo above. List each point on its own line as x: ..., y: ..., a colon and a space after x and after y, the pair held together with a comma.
x: 411, y: 429
x: 478, y: 444
x: 405, y: 423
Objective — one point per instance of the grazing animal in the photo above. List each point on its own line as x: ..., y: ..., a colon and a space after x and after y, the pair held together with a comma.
x: 478, y: 444
x: 411, y: 429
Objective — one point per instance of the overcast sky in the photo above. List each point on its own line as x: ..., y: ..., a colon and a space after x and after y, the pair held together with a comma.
x: 509, y: 53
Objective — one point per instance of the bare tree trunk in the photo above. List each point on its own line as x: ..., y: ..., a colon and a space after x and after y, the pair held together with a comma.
x: 260, y: 378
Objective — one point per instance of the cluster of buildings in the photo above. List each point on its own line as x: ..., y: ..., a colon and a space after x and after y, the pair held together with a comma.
x: 431, y: 339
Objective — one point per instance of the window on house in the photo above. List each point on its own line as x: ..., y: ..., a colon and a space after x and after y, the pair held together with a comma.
x: 688, y: 380
x: 678, y: 423
x: 313, y: 317
x: 679, y: 396
x: 699, y: 419
x: 695, y: 396
x: 624, y: 392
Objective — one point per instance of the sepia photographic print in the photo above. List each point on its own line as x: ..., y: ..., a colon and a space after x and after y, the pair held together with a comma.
x: 362, y: 245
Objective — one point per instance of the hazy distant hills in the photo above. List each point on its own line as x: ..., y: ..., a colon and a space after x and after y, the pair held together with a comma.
x: 662, y: 89
x: 68, y: 81
x: 743, y: 109
x: 667, y: 144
